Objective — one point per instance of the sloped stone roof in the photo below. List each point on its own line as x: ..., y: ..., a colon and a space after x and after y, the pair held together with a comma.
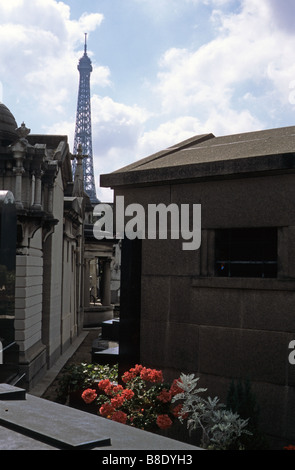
x: 206, y: 156
x: 8, y: 126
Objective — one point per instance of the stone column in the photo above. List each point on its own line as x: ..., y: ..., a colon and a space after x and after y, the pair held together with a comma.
x: 78, y: 189
x: 106, y: 295
x: 19, y: 151
x: 86, y: 283
x: 50, y: 173
x: 38, y: 187
x: 18, y: 154
x: 33, y: 190
x: 50, y: 198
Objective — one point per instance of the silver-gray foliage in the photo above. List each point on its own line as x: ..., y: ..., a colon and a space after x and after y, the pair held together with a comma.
x: 220, y: 427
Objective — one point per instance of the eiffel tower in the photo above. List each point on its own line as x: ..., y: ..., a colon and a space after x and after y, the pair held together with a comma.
x: 83, y: 132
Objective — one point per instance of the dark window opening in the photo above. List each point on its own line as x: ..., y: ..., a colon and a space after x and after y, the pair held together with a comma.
x: 250, y: 252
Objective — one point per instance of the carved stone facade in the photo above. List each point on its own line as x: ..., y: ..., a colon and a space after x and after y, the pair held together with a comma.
x: 49, y: 262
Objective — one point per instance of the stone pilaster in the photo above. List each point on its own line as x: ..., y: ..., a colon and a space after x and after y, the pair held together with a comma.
x: 18, y: 154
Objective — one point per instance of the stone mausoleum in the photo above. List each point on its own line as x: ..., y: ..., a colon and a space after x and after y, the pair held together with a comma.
x: 226, y: 310
x: 46, y: 248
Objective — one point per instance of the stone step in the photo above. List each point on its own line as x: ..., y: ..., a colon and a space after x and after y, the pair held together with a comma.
x: 108, y: 356
x: 110, y: 330
x: 99, y: 345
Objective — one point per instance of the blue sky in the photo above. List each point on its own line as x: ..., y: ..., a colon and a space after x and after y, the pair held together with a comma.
x: 163, y: 70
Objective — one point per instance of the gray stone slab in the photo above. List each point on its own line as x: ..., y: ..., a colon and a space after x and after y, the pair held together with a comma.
x: 50, y: 422
x: 111, y: 351
x: 13, y: 440
x: 8, y: 392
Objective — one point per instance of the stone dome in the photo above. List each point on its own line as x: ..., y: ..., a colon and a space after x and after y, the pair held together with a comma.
x: 8, y: 126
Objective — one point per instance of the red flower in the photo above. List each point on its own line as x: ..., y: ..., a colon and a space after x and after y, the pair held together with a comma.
x: 108, y: 387
x: 177, y: 412
x: 136, y: 370
x: 164, y: 396
x: 103, y: 384
x: 289, y: 447
x: 175, y: 388
x: 119, y: 416
x: 89, y: 395
x: 163, y: 421
x: 117, y: 401
x: 106, y: 410
x: 127, y: 376
x: 109, y: 390
x: 151, y: 375
x: 128, y: 394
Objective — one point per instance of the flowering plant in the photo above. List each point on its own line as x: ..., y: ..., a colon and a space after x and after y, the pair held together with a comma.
x: 76, y: 377
x: 144, y: 401
x: 221, y: 428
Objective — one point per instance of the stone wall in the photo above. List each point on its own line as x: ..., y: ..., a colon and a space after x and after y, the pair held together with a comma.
x: 28, y: 308
x: 53, y: 249
x: 223, y: 328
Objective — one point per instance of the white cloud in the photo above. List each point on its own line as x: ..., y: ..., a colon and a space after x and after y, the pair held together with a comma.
x: 115, y: 125
x: 236, y: 81
x: 66, y: 128
x: 167, y: 134
x: 86, y: 23
x: 37, y: 52
x: 217, y: 3
x: 100, y: 75
x: 215, y: 88
x: 250, y: 50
